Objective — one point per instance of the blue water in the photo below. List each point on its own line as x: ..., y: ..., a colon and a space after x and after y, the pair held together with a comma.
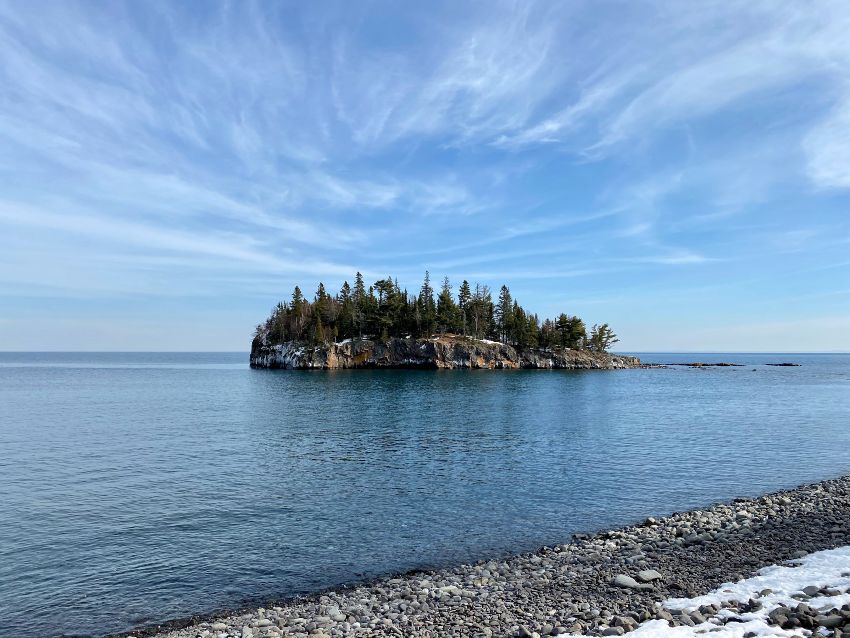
x: 141, y: 487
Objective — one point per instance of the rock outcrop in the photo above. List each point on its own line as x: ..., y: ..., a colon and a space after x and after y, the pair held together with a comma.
x: 446, y: 351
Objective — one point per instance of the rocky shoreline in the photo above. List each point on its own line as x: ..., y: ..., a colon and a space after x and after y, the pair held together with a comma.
x: 439, y: 352
x: 603, y: 584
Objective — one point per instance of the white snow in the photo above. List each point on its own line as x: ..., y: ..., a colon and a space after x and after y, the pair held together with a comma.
x: 826, y: 568
x: 829, y: 568
x: 660, y: 629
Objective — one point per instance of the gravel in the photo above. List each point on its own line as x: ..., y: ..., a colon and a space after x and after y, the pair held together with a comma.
x: 603, y: 584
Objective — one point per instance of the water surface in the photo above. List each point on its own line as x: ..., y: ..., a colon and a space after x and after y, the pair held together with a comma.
x: 136, y: 488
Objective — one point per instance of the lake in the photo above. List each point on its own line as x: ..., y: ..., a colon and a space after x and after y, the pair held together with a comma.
x: 139, y: 487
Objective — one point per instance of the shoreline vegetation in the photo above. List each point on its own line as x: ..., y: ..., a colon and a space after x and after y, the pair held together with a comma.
x: 650, y: 577
x: 384, y: 326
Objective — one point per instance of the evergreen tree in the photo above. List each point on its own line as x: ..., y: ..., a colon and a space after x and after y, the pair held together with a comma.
x: 299, y: 313
x: 548, y: 338
x: 446, y: 308
x: 504, y: 314
x: 371, y: 319
x: 519, y: 326
x: 563, y: 328
x: 464, y: 297
x: 359, y: 288
x: 577, y: 334
x: 346, y: 311
x: 533, y: 331
x: 319, y: 333
x: 602, y: 337
x: 384, y: 310
x: 321, y: 304
x: 427, y: 310
x: 360, y: 304
x: 417, y: 317
x: 397, y: 311
x: 481, y: 311
x: 345, y: 292
x: 276, y: 325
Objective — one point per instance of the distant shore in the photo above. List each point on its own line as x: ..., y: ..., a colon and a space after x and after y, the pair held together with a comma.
x: 601, y: 584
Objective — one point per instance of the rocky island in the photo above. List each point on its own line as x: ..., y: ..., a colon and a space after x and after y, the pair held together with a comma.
x: 445, y: 351
x: 383, y: 326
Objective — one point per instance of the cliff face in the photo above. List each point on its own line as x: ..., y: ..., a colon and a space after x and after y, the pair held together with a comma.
x: 437, y: 352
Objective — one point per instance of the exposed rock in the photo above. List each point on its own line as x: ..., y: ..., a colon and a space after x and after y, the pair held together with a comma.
x: 621, y: 580
x: 448, y: 351
x: 648, y: 575
x: 700, y: 364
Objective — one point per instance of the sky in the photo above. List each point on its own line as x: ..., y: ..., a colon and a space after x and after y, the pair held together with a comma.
x: 170, y: 170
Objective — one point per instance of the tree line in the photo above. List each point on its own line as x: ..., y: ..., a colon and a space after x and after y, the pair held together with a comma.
x: 383, y: 310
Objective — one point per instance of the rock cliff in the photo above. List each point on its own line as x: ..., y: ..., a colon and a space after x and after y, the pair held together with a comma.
x: 446, y: 351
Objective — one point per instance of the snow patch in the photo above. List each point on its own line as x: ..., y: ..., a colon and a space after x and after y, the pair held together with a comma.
x: 828, y: 568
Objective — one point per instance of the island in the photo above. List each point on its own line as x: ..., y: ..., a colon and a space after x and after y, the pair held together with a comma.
x: 384, y: 326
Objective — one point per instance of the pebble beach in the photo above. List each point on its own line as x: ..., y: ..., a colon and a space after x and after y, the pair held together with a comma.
x: 645, y: 578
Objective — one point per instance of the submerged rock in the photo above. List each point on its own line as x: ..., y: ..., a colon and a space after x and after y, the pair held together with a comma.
x: 448, y: 351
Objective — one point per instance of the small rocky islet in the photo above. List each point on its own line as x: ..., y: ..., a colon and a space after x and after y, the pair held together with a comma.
x: 603, y: 584
x: 383, y: 325
x: 438, y: 352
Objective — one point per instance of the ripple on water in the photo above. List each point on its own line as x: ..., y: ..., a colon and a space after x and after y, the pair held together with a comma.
x: 144, y: 487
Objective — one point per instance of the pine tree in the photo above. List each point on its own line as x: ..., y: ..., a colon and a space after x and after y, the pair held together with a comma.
x: 547, y: 334
x: 481, y: 311
x: 384, y: 310
x: 321, y: 304
x: 464, y: 297
x: 371, y: 319
x: 602, y: 337
x: 520, y: 326
x: 359, y: 304
x: 346, y: 311
x: 299, y: 312
x: 577, y: 334
x: 533, y: 331
x: 446, y: 308
x: 427, y: 310
x: 345, y: 292
x: 417, y: 317
x: 359, y: 287
x: 563, y: 328
x: 504, y: 314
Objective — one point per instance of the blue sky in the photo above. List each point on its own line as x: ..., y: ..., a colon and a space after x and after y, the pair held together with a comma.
x: 168, y: 171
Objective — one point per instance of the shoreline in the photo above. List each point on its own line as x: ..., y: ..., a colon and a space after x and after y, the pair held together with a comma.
x: 448, y: 351
x: 604, y: 583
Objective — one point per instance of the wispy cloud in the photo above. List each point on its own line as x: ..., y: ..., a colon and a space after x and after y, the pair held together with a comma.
x: 231, y: 149
x: 827, y: 148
